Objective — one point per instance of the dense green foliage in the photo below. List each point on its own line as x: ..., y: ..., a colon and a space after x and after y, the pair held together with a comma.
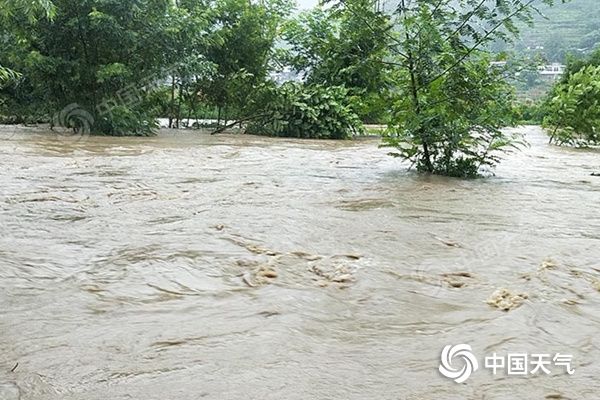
x: 29, y: 10
x: 450, y: 104
x: 347, y: 45
x: 575, y: 65
x: 124, y: 63
x: 421, y: 67
x: 93, y: 53
x: 307, y: 111
x: 573, y: 109
x: 529, y: 112
x: 457, y: 128
x: 243, y: 50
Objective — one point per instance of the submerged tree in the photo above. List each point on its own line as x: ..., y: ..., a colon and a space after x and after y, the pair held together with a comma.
x: 450, y: 103
x: 421, y: 65
x: 242, y: 50
x: 126, y: 62
x: 98, y: 54
x: 189, y: 34
x: 345, y: 45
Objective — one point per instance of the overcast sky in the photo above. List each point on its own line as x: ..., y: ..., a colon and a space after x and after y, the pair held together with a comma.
x: 304, y: 4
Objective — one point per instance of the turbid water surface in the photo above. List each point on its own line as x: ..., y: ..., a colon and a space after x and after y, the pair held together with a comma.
x: 189, y: 266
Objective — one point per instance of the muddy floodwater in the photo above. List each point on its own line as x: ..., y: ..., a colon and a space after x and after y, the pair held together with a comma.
x: 189, y: 266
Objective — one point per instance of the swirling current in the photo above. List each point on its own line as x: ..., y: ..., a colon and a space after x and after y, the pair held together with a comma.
x: 188, y: 266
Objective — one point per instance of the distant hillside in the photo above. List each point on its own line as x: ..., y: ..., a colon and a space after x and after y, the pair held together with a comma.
x: 570, y: 27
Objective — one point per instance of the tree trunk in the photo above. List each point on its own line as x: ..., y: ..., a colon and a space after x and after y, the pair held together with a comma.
x: 414, y: 89
x: 179, y: 100
x: 172, y: 106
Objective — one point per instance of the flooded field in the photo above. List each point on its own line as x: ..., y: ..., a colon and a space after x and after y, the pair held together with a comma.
x: 189, y: 266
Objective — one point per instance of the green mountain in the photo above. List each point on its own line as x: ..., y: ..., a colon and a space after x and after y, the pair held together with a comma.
x: 572, y: 27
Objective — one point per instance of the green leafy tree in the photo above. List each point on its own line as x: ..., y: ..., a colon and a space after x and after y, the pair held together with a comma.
x: 189, y: 36
x: 344, y: 45
x: 31, y: 9
x: 576, y: 64
x: 450, y: 104
x: 11, y: 11
x: 98, y: 54
x: 241, y: 49
x: 573, y: 109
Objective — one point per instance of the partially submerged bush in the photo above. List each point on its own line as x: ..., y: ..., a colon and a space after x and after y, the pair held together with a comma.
x: 455, y: 127
x: 306, y: 111
x: 125, y: 121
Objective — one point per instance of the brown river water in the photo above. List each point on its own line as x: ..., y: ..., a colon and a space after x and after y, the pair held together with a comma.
x: 189, y: 266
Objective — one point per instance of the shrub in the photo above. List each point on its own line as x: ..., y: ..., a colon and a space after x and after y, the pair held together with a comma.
x: 124, y: 121
x: 455, y: 127
x: 311, y: 111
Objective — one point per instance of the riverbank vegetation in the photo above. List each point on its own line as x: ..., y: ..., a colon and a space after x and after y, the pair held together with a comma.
x: 423, y: 68
x: 572, y: 108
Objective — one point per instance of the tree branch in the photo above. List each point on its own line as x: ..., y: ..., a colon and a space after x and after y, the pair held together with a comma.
x: 234, y: 123
x: 478, y: 43
x: 385, y: 32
